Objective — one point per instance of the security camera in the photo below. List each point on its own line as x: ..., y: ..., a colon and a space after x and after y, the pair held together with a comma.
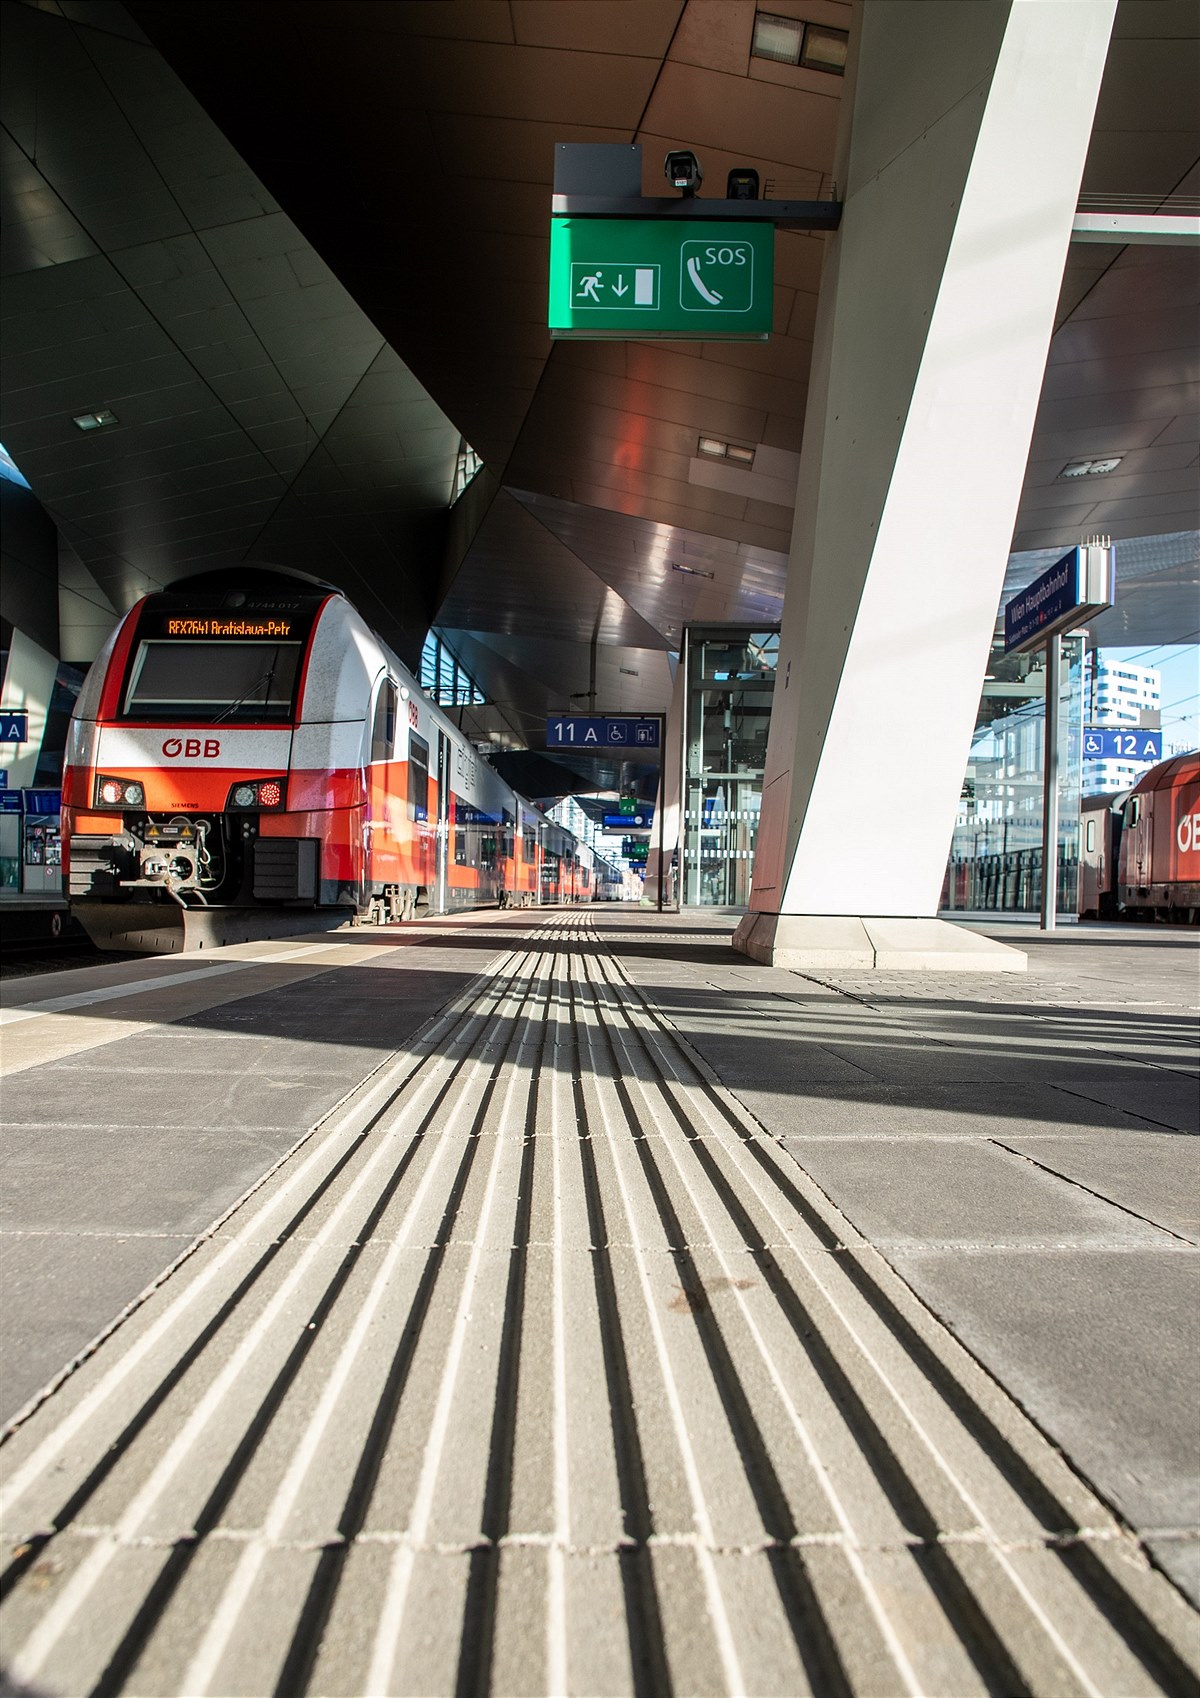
x: 683, y: 172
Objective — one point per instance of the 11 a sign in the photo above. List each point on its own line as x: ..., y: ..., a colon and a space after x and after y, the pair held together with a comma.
x: 602, y: 733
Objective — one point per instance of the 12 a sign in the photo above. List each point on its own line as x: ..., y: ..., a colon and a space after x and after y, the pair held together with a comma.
x: 1100, y: 743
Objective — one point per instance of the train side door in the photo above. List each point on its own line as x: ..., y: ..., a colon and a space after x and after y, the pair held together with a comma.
x: 443, y: 819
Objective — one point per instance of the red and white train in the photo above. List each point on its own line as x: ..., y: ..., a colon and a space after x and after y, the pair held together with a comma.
x: 245, y: 740
x: 1140, y: 849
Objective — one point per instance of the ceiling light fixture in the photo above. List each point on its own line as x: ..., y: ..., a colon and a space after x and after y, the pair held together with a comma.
x: 713, y: 448
x: 97, y: 420
x: 1091, y: 468
x: 692, y: 571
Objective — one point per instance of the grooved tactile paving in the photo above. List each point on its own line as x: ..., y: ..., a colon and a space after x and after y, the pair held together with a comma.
x: 539, y: 1368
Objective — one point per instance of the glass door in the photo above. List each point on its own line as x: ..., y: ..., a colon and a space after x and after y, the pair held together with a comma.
x: 730, y: 679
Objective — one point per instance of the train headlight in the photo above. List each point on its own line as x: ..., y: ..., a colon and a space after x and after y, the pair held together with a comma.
x: 263, y: 793
x: 119, y: 792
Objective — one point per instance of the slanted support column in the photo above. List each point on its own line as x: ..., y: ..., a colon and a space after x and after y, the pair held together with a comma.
x: 965, y: 129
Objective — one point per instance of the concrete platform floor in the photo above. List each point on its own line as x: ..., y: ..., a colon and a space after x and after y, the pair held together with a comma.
x: 562, y: 1303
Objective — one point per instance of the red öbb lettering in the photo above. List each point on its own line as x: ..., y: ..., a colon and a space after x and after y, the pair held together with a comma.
x: 193, y: 748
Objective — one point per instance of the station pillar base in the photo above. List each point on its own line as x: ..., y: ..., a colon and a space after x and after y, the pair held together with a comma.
x: 848, y: 943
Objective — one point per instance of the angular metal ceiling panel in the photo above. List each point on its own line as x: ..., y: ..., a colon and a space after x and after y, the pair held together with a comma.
x: 260, y: 414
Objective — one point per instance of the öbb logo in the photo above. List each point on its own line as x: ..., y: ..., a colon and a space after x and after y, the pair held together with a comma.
x: 192, y: 748
x: 1188, y: 833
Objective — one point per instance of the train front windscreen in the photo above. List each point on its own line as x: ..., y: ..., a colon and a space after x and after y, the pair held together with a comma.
x: 233, y: 680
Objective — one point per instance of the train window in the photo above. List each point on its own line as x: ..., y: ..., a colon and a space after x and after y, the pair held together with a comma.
x: 418, y: 777
x: 459, y: 813
x: 1091, y: 836
x: 383, y: 731
x: 1135, y: 809
x: 221, y: 681
x: 530, y: 838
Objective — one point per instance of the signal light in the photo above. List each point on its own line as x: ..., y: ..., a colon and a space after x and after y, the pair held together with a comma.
x: 270, y: 793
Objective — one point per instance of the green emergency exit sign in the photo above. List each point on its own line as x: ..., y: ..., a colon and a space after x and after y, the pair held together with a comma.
x: 643, y: 277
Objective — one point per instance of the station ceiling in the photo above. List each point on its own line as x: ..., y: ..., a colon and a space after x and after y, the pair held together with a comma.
x: 301, y: 252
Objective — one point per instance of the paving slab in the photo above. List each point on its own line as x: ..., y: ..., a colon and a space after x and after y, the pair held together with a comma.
x: 869, y: 1108
x: 1152, y: 1174
x: 909, y: 1194
x: 60, y: 1290
x: 1169, y: 1099
x: 1103, y: 1350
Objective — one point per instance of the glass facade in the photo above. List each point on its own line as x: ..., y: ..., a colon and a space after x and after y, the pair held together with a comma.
x: 729, y: 679
x: 443, y: 680
x: 996, y: 852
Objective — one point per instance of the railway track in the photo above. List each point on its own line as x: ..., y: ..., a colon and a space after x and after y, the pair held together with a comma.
x: 23, y: 957
x: 539, y: 1367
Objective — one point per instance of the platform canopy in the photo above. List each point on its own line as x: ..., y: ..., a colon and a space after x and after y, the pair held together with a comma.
x: 300, y: 254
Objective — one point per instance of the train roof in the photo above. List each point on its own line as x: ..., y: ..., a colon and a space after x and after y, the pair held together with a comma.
x: 246, y: 582
x: 1180, y: 769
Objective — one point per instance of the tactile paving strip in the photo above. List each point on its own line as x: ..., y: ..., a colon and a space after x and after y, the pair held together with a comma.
x: 540, y: 1368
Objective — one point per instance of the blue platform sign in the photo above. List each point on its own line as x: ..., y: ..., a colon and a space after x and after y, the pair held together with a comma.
x: 1101, y: 743
x: 1068, y: 593
x: 14, y: 727
x: 641, y: 821
x: 1041, y: 606
x: 605, y: 733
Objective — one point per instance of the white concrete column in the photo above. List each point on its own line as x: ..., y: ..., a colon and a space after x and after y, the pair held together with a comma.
x: 965, y: 129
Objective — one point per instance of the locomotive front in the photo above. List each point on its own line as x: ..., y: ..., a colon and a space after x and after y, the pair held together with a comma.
x: 180, y: 749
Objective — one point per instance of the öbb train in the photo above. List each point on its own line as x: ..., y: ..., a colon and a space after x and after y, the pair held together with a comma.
x: 1140, y: 849
x: 245, y: 741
